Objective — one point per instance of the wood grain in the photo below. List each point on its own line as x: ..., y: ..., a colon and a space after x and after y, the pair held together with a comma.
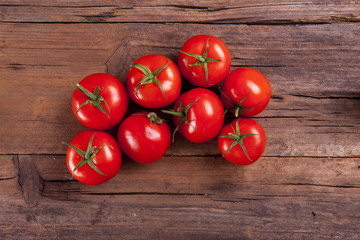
x: 306, y: 186
x: 315, y: 98
x: 254, y: 12
x: 209, y: 194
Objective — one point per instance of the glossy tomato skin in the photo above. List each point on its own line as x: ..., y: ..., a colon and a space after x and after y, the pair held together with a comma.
x: 107, y: 160
x: 150, y: 95
x: 247, y: 81
x: 205, y: 118
x: 255, y: 145
x: 114, y: 93
x: 217, y: 71
x: 143, y: 141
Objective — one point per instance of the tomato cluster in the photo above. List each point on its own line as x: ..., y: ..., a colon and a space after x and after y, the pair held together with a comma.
x: 100, y: 102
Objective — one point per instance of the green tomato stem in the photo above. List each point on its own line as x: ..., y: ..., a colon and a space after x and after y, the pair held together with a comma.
x: 150, y: 77
x: 183, y: 114
x: 94, y: 98
x: 203, y: 60
x: 87, y: 156
x: 237, y: 138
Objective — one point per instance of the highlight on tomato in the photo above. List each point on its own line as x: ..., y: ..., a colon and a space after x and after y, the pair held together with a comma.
x: 204, y: 61
x: 198, y: 115
x: 93, y: 157
x: 144, y: 137
x: 153, y: 81
x: 246, y: 92
x: 242, y: 141
x: 100, y: 101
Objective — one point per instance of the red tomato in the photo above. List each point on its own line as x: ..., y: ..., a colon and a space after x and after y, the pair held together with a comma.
x: 144, y: 137
x: 198, y: 115
x: 93, y: 157
x: 242, y: 142
x: 153, y: 81
x: 204, y: 60
x: 246, y: 92
x: 100, y: 101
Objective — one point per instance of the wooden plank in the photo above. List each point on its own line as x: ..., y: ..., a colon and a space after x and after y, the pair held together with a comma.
x: 8, y: 170
x: 286, y: 54
x: 190, y: 198
x: 209, y: 175
x: 254, y: 12
x: 306, y: 186
x: 314, y: 77
x: 295, y: 126
x: 8, y: 179
x: 183, y: 217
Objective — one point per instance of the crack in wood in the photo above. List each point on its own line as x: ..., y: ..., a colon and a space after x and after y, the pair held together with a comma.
x: 59, y: 180
x: 7, y: 178
x: 35, y: 65
x: 327, y: 201
x: 278, y: 117
x: 67, y: 7
x: 332, y: 126
x: 218, y: 9
x: 318, y: 185
x: 284, y: 22
x: 277, y: 97
x: 257, y: 65
x: 325, y: 97
x: 181, y: 7
x: 136, y: 193
x: 237, y: 200
x: 99, y: 18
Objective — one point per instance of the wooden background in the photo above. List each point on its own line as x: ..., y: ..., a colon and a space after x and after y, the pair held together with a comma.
x: 307, y: 184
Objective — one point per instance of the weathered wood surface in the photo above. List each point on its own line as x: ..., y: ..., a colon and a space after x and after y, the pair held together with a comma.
x: 314, y: 76
x: 307, y: 185
x: 187, y: 197
x: 233, y: 11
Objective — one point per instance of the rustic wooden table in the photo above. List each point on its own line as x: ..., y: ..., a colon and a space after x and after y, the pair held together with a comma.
x: 307, y: 184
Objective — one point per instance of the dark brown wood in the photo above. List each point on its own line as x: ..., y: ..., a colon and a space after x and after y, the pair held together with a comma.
x: 315, y: 82
x: 28, y: 180
x: 193, y: 197
x: 249, y: 12
x: 306, y: 186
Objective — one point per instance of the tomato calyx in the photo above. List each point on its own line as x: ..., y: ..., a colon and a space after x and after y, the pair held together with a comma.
x: 150, y: 77
x: 203, y: 60
x: 239, y: 108
x: 87, y: 156
x: 94, y: 98
x: 238, y: 140
x: 154, y: 118
x: 183, y: 114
